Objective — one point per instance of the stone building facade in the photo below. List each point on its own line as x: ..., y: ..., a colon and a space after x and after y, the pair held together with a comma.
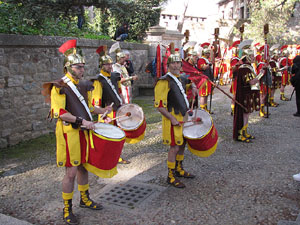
x: 26, y: 62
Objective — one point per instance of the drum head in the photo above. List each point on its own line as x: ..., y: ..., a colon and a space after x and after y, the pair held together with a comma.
x: 195, y: 130
x: 133, y: 121
x: 109, y: 131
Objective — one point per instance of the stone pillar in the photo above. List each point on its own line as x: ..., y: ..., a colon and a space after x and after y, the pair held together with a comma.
x: 158, y: 34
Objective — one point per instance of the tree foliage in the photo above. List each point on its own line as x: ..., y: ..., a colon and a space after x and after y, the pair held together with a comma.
x: 277, y: 14
x: 59, y: 17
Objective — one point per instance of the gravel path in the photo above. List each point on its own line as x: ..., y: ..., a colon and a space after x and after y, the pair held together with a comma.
x: 240, y: 184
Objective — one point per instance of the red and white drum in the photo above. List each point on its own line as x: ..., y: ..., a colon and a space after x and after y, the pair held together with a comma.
x: 133, y: 125
x: 201, y: 137
x: 106, y: 144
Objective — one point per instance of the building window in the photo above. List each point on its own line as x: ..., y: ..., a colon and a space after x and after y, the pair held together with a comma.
x: 247, y: 13
x: 223, y: 16
x: 170, y: 17
x: 164, y: 16
x: 242, y: 16
x: 175, y: 17
x: 231, y: 12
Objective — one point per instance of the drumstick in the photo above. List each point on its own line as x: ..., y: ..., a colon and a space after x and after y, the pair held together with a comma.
x: 197, y: 120
x: 195, y: 117
x: 127, y: 114
x: 106, y: 112
x: 191, y: 110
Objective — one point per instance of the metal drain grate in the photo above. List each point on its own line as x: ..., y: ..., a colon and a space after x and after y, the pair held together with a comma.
x: 127, y: 195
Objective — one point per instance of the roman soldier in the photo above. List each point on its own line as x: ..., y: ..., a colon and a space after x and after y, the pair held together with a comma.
x: 120, y: 68
x: 171, y: 101
x: 285, y: 66
x: 265, y: 82
x: 233, y: 68
x: 245, y: 78
x: 205, y: 66
x: 257, y: 55
x: 192, y: 57
x: 71, y: 105
x: 276, y: 76
x: 107, y: 88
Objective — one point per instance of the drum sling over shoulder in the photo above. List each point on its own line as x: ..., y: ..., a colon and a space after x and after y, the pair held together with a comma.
x: 111, y: 86
x: 76, y: 92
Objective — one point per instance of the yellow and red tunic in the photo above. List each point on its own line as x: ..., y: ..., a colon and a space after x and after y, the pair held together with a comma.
x: 97, y: 95
x: 172, y: 135
x: 204, y: 86
x: 71, y: 144
x: 286, y: 75
x: 233, y: 67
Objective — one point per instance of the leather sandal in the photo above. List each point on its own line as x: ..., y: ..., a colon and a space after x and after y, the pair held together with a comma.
x: 70, y: 219
x: 176, y: 183
x: 123, y: 161
x: 93, y: 205
x: 243, y: 139
x: 185, y: 175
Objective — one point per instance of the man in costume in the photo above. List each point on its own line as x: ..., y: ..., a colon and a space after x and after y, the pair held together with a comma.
x: 257, y: 55
x: 233, y: 68
x: 245, y: 78
x: 205, y: 66
x: 107, y: 87
x: 284, y: 66
x: 172, y: 103
x: 120, y: 68
x: 276, y: 77
x: 265, y: 82
x: 192, y: 57
x: 128, y: 64
x: 71, y: 105
x: 295, y: 81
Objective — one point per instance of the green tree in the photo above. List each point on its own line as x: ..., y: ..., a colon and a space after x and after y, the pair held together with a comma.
x: 59, y: 16
x: 277, y: 14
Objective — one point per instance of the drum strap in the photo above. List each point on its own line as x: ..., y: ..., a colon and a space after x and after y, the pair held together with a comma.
x: 111, y: 85
x: 77, y: 93
x: 179, y: 84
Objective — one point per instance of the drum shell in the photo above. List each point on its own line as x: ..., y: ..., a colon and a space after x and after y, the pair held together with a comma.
x: 202, y: 138
x: 204, y: 146
x: 134, y: 131
x: 135, y: 136
x: 103, y: 155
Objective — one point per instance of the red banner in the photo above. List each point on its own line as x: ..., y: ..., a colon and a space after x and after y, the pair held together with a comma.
x: 195, y: 75
x: 158, y: 62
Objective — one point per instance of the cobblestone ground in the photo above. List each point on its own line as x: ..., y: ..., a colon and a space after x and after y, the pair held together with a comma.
x: 240, y: 184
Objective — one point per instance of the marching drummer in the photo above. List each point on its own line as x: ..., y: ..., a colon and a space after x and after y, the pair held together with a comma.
x: 171, y: 101
x: 107, y: 87
x: 71, y: 105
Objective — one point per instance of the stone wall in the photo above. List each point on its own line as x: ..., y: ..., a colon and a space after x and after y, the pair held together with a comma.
x: 28, y: 61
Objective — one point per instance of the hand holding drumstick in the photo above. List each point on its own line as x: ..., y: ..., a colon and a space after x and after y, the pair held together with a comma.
x: 197, y: 120
x: 127, y: 114
x: 106, y: 111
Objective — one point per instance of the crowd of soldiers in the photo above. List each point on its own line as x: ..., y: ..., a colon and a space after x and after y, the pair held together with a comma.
x: 263, y: 70
x: 86, y: 145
